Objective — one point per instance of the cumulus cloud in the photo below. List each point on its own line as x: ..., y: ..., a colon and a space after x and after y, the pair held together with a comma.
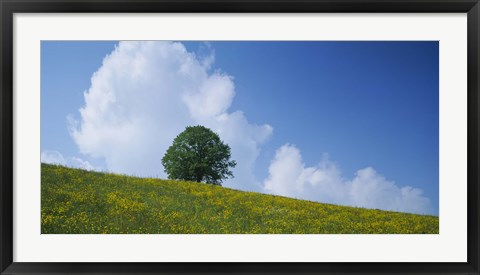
x: 80, y: 163
x: 288, y: 176
x: 52, y: 157
x: 147, y: 92
x: 55, y: 157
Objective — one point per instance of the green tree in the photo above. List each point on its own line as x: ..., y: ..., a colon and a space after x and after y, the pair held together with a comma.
x: 198, y: 154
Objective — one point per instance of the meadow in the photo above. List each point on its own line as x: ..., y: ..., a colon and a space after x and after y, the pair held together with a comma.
x: 75, y: 201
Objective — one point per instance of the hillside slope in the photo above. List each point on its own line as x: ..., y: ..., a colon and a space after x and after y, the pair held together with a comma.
x: 77, y: 201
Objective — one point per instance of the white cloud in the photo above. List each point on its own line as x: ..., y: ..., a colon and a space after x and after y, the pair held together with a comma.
x: 288, y: 176
x: 146, y: 93
x: 55, y: 157
x: 206, y: 54
x: 80, y: 163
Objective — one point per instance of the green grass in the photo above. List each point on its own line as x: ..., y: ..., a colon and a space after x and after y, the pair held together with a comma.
x: 76, y: 201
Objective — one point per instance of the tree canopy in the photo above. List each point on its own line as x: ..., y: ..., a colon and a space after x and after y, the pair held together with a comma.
x: 198, y: 154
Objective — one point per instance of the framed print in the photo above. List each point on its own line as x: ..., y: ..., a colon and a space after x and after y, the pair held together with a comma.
x: 239, y: 137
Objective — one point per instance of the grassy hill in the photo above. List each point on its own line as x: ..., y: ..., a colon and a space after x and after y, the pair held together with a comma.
x: 77, y: 201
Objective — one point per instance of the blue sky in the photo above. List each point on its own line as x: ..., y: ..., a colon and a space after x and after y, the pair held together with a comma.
x: 352, y: 123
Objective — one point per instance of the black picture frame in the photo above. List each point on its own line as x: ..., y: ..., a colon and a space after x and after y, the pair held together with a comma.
x: 10, y: 7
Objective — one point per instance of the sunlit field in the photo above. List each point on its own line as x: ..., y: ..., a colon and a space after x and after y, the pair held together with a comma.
x: 81, y: 202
